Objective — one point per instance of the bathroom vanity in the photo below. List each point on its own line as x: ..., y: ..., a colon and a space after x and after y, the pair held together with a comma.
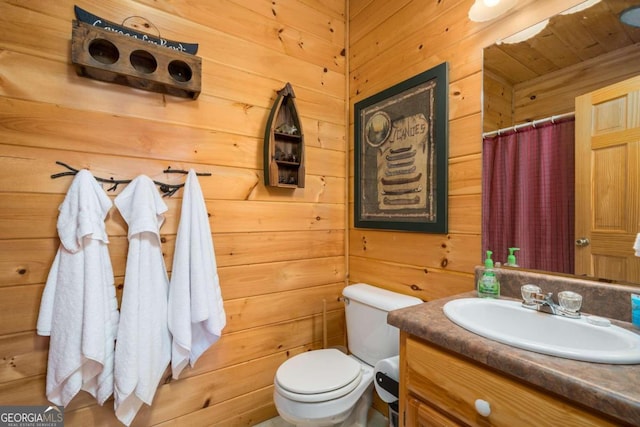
x: 439, y: 385
x: 450, y: 376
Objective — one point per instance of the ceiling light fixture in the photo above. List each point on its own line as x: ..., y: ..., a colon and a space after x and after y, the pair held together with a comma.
x: 525, y: 34
x: 579, y: 8
x: 486, y: 10
x: 631, y: 16
x: 537, y: 28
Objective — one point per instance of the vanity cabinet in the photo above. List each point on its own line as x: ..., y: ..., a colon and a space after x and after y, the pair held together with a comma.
x: 440, y: 388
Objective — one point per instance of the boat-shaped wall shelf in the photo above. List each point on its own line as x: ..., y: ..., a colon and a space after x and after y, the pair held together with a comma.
x: 111, y: 57
x: 284, y: 143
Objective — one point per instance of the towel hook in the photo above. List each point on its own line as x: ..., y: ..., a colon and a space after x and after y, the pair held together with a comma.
x: 168, y: 190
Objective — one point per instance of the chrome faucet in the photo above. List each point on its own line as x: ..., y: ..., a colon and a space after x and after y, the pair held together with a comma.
x: 569, y: 302
x: 546, y: 300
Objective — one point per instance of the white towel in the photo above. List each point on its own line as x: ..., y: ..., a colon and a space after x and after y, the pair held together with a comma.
x: 143, y: 348
x: 196, y: 311
x: 636, y: 245
x: 79, y: 310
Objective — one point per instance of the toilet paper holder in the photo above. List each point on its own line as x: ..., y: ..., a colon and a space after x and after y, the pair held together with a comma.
x: 388, y: 383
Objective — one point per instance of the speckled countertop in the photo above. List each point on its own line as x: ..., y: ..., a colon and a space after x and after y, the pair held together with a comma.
x: 610, y: 389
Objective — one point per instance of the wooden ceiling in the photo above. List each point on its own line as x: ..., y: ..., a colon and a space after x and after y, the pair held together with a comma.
x: 566, y: 41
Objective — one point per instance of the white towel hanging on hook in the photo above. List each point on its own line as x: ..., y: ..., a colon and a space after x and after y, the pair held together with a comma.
x: 143, y: 348
x: 196, y: 311
x: 79, y: 310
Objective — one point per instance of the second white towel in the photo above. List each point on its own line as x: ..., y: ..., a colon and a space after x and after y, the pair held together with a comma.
x: 143, y: 347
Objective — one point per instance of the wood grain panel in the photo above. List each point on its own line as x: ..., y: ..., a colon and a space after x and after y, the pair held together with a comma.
x: 405, y: 21
x: 365, y: 20
x: 223, y: 183
x: 216, y: 415
x: 265, y: 340
x: 24, y: 357
x: 555, y: 93
x: 335, y: 8
x: 246, y: 55
x: 453, y: 38
x: 44, y: 125
x: 463, y: 136
x: 35, y: 216
x: 236, y: 249
x: 277, y: 259
x: 27, y: 261
x: 465, y: 214
x: 36, y: 124
x: 28, y: 168
x: 465, y: 96
x: 247, y: 313
x: 23, y: 319
x: 247, y: 308
x: 275, y: 277
x: 465, y: 175
x: 425, y: 283
x: 51, y: 42
x: 244, y: 118
x: 452, y: 252
x: 498, y: 103
x: 290, y: 28
x: 273, y: 248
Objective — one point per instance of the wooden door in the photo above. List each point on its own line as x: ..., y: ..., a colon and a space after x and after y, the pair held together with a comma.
x: 607, y: 181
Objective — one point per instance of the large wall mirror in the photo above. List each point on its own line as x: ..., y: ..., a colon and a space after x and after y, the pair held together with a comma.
x: 534, y: 77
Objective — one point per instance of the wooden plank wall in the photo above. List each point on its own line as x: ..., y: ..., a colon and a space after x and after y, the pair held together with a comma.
x: 280, y: 253
x: 390, y: 42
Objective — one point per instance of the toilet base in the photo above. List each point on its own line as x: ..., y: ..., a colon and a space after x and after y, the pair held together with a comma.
x: 355, y: 416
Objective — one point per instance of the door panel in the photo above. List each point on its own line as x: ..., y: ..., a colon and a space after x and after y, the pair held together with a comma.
x: 607, y: 181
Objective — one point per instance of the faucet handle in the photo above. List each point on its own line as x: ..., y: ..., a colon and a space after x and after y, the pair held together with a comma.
x: 570, y: 302
x: 529, y: 293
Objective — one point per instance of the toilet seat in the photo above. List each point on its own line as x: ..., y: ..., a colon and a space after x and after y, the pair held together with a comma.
x: 318, y: 376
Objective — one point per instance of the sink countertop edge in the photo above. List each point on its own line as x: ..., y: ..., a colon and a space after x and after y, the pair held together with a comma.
x: 607, y: 388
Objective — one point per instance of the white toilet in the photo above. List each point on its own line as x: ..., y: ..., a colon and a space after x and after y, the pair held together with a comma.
x: 327, y: 387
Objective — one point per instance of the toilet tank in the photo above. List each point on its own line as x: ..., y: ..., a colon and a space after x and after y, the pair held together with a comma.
x: 369, y: 336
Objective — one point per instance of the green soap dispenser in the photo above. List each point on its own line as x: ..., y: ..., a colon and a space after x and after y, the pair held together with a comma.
x: 511, y: 259
x: 488, y: 285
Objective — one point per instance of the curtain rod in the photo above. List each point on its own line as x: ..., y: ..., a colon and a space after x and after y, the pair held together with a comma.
x: 533, y: 123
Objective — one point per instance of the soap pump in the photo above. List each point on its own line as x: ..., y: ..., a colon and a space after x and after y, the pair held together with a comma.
x: 511, y: 259
x: 488, y: 285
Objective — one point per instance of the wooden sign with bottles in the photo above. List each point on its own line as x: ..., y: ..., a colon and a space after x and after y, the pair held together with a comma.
x: 111, y: 57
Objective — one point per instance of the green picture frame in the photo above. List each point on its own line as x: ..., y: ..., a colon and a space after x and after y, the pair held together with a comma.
x: 401, y: 155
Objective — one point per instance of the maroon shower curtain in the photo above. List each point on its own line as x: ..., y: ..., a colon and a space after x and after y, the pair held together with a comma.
x: 528, y: 196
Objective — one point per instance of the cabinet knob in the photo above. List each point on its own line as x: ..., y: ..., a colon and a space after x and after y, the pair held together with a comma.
x: 483, y: 408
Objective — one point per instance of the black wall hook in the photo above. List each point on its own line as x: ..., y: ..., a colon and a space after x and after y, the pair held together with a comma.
x: 167, y: 190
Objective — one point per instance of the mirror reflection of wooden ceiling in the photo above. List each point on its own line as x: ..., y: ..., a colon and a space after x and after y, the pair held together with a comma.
x: 566, y: 41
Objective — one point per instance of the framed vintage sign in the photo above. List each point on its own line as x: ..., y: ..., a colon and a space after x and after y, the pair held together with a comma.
x: 401, y: 155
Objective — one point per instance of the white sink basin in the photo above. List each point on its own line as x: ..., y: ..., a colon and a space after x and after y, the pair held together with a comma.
x: 508, y: 322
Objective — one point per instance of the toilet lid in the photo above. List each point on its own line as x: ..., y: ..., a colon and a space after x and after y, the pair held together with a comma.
x: 318, y: 371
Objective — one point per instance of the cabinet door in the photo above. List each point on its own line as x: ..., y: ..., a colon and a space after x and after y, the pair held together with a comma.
x: 419, y: 414
x: 456, y: 385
